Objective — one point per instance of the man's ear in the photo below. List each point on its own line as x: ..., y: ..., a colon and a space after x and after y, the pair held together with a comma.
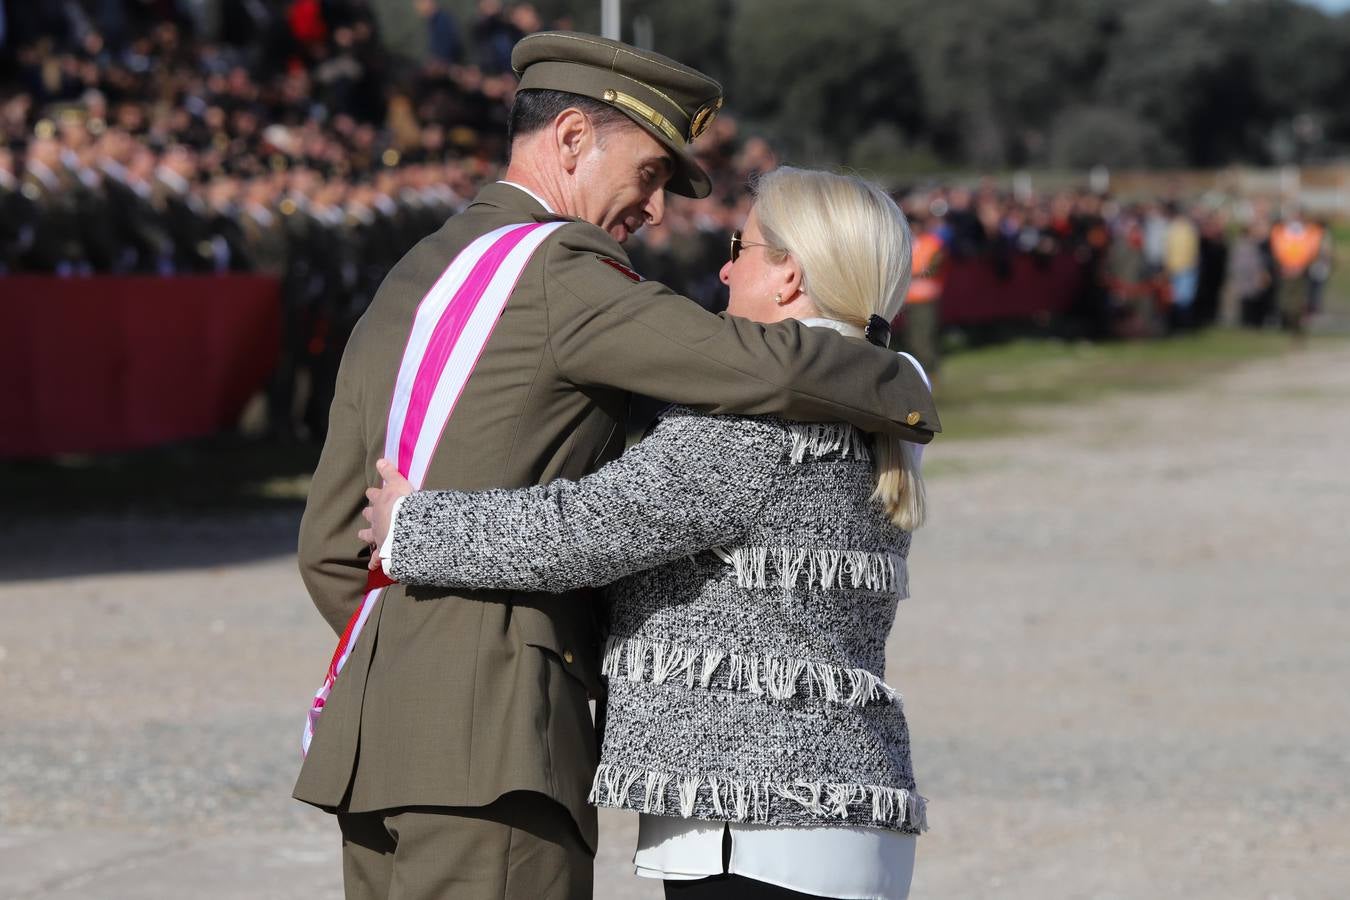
x: 571, y: 132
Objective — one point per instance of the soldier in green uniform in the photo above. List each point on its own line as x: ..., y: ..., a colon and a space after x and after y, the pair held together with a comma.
x: 55, y: 244
x: 456, y: 746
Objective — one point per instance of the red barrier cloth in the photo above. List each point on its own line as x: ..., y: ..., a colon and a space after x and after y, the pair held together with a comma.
x: 974, y: 294
x: 115, y: 363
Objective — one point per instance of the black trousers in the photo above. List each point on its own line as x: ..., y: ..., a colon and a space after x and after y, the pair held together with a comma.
x: 730, y: 887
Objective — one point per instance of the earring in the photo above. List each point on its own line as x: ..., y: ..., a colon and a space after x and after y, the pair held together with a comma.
x: 778, y: 298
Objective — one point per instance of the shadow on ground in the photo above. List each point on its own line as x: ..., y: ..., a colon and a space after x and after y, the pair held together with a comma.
x: 210, y: 503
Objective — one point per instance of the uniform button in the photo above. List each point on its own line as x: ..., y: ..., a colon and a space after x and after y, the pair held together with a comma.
x: 567, y: 657
x: 913, y: 419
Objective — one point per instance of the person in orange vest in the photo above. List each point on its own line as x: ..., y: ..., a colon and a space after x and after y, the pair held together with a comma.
x: 916, y: 329
x: 1297, y: 245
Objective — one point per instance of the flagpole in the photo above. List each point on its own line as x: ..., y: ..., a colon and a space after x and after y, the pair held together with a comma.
x: 610, y: 25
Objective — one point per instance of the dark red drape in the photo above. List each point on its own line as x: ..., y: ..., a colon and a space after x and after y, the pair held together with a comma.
x: 975, y: 292
x: 114, y: 363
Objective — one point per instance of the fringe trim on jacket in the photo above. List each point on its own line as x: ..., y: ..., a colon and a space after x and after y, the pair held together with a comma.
x: 780, y: 677
x: 816, y: 441
x: 731, y: 800
x: 758, y: 567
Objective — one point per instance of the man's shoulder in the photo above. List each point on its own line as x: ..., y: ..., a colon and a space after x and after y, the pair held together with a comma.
x: 578, y: 238
x: 583, y: 260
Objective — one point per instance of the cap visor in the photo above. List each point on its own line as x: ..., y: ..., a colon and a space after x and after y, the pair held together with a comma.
x: 689, y: 180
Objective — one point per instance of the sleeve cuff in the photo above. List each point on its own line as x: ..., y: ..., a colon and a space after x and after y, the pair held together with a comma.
x: 916, y: 450
x: 387, y: 548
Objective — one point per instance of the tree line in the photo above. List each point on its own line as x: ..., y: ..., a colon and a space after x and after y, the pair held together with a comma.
x: 1010, y: 83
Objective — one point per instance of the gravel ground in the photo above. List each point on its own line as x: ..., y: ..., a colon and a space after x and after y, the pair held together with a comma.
x: 1125, y: 666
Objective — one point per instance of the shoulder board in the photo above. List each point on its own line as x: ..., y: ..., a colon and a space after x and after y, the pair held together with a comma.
x: 620, y: 267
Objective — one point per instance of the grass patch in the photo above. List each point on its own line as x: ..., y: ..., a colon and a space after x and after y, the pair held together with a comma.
x: 938, y: 466
x: 988, y: 392
x: 1338, y: 289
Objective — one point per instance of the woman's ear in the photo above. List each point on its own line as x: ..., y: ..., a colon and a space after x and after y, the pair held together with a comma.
x: 793, y: 283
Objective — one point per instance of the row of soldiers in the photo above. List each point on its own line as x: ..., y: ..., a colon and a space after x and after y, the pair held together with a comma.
x: 119, y: 206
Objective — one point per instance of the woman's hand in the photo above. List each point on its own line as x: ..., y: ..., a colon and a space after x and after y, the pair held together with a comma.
x: 381, y: 507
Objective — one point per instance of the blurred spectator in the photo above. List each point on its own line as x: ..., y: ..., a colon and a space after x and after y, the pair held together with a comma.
x: 917, y: 330
x: 242, y: 22
x: 1132, y: 287
x: 1212, y: 269
x: 1254, y: 273
x: 494, y: 35
x: 1181, y: 260
x: 306, y: 22
x: 1155, y: 237
x: 443, y: 39
x: 1297, y: 245
x: 1319, y: 272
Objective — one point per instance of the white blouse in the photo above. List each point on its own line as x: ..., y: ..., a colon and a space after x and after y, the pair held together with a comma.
x: 847, y: 861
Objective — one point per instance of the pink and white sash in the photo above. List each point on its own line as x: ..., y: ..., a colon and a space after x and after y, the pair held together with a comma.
x: 450, y: 329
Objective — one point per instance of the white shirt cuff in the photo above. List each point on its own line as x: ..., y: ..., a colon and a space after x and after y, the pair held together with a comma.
x: 387, y: 548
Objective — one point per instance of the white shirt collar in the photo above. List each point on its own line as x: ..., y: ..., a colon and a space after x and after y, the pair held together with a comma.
x: 854, y: 331
x: 537, y: 198
x: 45, y: 175
x: 834, y: 324
x: 177, y: 183
x: 114, y: 169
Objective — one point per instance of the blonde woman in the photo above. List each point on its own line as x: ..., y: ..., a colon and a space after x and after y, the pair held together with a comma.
x: 753, y: 568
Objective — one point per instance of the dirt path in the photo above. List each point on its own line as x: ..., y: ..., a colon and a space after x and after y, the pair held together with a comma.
x: 1125, y: 666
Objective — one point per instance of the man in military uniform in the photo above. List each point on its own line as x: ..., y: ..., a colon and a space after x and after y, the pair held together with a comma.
x: 184, y: 213
x: 17, y: 214
x: 56, y: 244
x: 456, y: 746
x: 130, y: 216
x: 264, y: 234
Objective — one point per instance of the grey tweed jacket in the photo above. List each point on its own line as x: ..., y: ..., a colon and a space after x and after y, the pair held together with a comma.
x: 752, y: 584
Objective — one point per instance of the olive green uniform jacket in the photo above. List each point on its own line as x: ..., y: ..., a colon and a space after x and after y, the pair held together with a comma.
x: 455, y: 698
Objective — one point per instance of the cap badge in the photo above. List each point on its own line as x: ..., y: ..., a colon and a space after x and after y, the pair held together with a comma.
x: 703, y: 118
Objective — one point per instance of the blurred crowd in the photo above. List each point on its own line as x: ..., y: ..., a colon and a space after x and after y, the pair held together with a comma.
x: 1150, y: 267
x: 130, y: 144
x: 281, y: 137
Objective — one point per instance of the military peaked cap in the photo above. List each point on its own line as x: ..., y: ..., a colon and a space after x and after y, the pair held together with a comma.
x: 671, y: 102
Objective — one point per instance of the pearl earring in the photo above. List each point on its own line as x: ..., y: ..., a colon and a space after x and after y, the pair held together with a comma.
x: 778, y: 298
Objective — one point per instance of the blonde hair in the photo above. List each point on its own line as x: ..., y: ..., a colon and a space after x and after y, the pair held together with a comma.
x: 854, y: 248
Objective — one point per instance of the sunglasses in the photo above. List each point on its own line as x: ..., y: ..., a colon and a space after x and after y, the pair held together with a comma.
x: 737, y: 245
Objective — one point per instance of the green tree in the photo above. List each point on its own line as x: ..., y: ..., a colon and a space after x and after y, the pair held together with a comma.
x: 821, y: 75
x: 990, y: 83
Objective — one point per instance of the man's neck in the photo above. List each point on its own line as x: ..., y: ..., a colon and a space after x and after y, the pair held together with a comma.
x: 547, y: 188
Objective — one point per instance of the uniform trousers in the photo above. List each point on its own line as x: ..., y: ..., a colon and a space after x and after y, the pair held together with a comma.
x: 523, y: 846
